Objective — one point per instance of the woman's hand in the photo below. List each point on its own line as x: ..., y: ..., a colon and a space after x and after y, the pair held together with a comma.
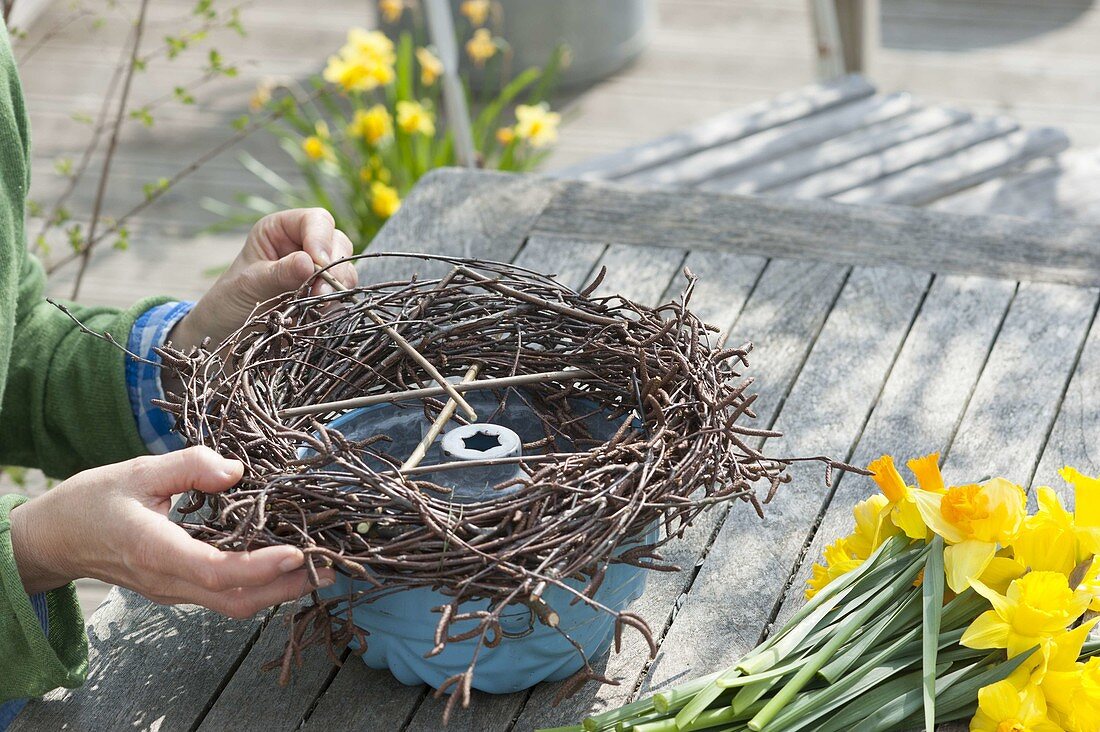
x: 278, y: 256
x: 111, y: 523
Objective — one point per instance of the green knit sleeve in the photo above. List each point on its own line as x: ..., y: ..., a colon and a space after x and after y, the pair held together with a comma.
x: 65, y: 406
x: 32, y: 663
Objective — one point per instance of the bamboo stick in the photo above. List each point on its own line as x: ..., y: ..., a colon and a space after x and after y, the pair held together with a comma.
x: 444, y: 417
x: 434, y: 391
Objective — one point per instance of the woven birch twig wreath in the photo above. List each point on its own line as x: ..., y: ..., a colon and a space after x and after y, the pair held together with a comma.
x: 266, y: 396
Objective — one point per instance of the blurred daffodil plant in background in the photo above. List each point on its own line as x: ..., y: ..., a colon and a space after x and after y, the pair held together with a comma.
x: 371, y: 125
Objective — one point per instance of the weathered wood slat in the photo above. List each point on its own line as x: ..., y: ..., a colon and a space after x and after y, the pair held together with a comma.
x: 755, y: 149
x: 1066, y: 188
x: 911, y: 155
x: 722, y: 129
x: 838, y: 151
x: 1052, y: 251
x: 719, y: 297
x: 969, y: 167
x: 738, y: 588
x: 163, y: 661
x: 1076, y: 432
x: 922, y: 401
x: 1006, y: 423
x: 488, y: 215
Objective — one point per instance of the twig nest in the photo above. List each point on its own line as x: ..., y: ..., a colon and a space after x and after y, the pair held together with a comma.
x: 679, y: 446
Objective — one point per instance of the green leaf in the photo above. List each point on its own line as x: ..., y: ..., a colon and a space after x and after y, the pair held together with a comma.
x: 63, y: 166
x: 932, y: 602
x: 484, y: 127
x: 549, y: 75
x: 151, y: 190
x: 266, y: 174
x: 143, y: 115
x: 403, y: 69
x: 183, y: 96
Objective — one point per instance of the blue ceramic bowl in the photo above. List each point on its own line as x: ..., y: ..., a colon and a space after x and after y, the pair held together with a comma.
x: 401, y: 626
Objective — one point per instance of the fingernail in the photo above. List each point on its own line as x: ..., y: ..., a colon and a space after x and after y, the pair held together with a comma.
x: 291, y: 563
x: 325, y: 289
x: 327, y: 582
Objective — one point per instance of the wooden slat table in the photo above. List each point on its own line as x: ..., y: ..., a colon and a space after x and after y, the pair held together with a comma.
x: 840, y: 139
x: 878, y: 329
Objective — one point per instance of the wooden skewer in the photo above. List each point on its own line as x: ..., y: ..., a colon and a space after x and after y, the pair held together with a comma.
x: 434, y: 391
x: 407, y: 347
x: 445, y: 415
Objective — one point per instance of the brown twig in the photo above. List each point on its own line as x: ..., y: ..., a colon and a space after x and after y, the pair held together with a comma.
x: 112, y: 143
x: 405, y: 346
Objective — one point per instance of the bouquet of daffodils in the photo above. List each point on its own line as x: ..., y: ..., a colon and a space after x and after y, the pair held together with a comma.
x: 945, y: 603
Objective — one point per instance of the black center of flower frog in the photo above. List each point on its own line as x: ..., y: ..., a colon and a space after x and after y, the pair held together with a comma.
x: 481, y: 441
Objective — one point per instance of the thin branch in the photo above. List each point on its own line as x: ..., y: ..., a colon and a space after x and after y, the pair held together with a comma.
x: 112, y: 145
x: 160, y: 191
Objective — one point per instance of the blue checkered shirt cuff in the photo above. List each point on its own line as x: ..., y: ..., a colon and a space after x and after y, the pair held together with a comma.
x: 143, y: 379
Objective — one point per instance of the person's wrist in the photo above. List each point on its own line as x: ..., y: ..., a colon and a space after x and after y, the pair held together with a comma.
x: 184, y: 335
x: 39, y: 552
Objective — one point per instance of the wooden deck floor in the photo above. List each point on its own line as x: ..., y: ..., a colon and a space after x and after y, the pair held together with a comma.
x: 1038, y: 63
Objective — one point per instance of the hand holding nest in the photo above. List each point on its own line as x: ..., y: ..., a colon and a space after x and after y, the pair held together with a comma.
x: 111, y: 523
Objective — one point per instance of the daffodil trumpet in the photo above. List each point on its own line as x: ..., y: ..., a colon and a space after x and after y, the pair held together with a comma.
x: 946, y: 603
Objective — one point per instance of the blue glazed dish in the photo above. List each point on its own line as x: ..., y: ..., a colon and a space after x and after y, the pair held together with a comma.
x: 401, y: 631
x: 401, y: 626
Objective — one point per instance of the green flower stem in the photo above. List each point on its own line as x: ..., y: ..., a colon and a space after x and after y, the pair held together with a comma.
x: 605, y: 720
x: 675, y: 698
x: 850, y: 626
x: 932, y: 604
x: 906, y: 611
x: 668, y: 724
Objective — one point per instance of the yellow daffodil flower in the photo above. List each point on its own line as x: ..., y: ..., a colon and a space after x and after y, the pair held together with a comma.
x: 903, y: 506
x: 1071, y: 688
x: 1048, y: 539
x: 481, y: 47
x: 476, y: 11
x: 844, y: 555
x: 506, y: 135
x: 316, y: 146
x: 369, y: 45
x: 1086, y: 508
x: 412, y: 117
x: 374, y: 170
x: 872, y: 525
x: 371, y: 124
x: 1004, y: 708
x: 1002, y: 570
x: 364, y: 63
x: 384, y: 200
x: 974, y: 520
x: 839, y: 560
x: 391, y: 9
x: 536, y: 124
x: 1037, y: 607
x: 431, y: 68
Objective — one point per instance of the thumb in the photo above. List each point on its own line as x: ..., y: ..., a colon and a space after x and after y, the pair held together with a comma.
x: 196, y: 468
x: 283, y: 275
